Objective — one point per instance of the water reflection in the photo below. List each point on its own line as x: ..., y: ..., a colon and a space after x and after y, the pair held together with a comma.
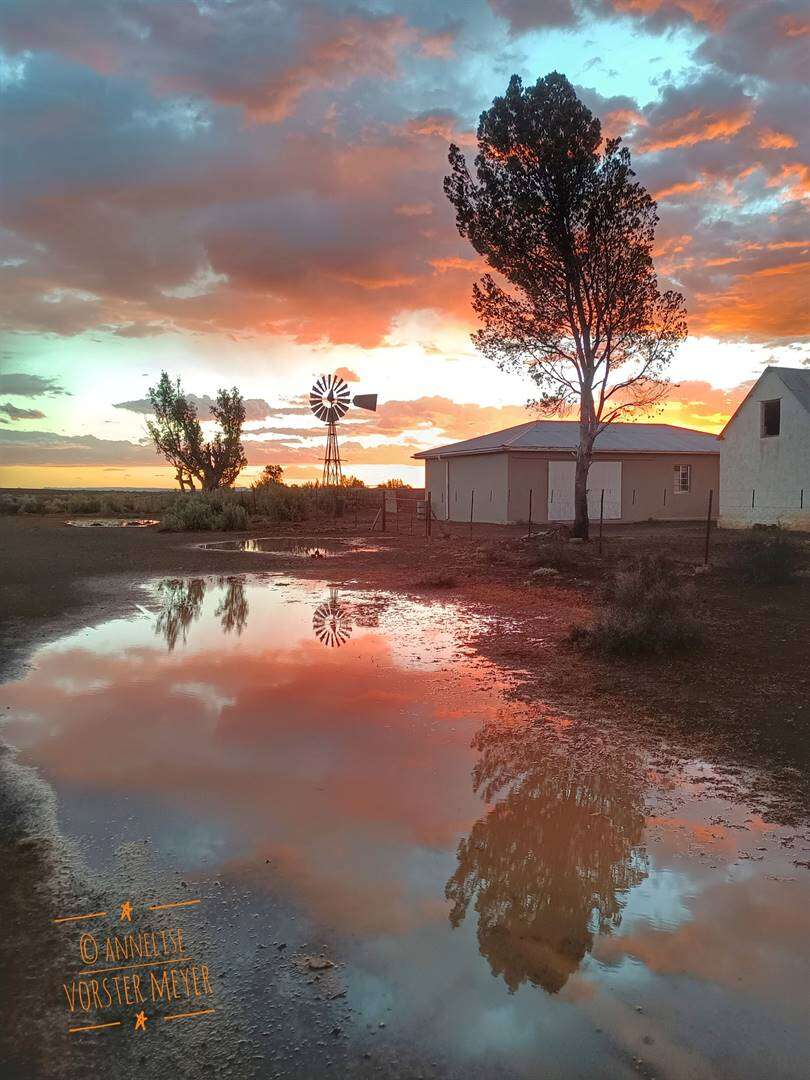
x: 300, y: 547
x: 182, y: 603
x: 331, y: 622
x: 550, y: 865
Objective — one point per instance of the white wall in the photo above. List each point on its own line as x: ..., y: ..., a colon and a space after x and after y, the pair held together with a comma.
x: 768, y: 472
x: 457, y: 477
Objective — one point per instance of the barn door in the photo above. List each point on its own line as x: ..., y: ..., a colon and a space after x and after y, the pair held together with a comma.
x: 602, y: 474
x: 561, y: 491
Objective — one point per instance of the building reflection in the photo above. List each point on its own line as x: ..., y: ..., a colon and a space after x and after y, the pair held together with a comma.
x: 551, y: 863
x: 182, y: 604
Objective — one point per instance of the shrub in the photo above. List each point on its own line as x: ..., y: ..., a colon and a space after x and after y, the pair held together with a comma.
x: 436, y: 581
x: 280, y: 503
x: 234, y: 518
x: 83, y: 503
x: 204, y: 513
x: 767, y: 557
x: 558, y: 554
x: 646, y: 609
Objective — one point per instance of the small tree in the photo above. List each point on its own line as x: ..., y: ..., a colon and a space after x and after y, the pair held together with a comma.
x: 178, y: 436
x: 556, y: 212
x: 270, y: 474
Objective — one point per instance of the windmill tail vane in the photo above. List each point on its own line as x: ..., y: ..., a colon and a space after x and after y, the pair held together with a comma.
x: 329, y: 400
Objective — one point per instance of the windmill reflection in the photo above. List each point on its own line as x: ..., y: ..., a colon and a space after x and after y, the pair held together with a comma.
x: 331, y: 622
x: 182, y: 600
x: 550, y: 864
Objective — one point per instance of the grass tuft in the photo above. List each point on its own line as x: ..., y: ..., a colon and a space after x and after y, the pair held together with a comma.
x: 646, y: 610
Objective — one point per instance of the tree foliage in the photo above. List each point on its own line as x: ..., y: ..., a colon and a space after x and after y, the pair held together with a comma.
x: 556, y: 212
x: 270, y: 474
x: 178, y: 436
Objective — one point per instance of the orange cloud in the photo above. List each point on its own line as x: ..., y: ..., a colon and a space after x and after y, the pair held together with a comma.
x: 456, y: 262
x: 776, y: 140
x: 678, y: 189
x: 694, y: 127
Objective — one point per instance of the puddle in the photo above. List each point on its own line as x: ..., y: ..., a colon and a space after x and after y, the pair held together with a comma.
x: 112, y: 523
x: 315, y: 547
x: 343, y: 784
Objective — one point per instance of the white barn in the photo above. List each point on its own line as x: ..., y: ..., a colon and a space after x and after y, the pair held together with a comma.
x: 646, y: 471
x: 765, y: 454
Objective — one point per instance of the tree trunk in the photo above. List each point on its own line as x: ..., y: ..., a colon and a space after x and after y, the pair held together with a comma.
x: 587, y: 433
x: 581, y: 521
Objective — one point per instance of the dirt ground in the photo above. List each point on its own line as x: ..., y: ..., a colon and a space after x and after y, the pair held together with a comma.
x: 742, y: 699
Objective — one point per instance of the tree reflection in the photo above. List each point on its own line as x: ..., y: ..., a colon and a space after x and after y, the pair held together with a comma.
x: 182, y: 600
x: 549, y: 865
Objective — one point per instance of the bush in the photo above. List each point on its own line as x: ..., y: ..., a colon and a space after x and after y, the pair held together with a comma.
x: 83, y: 503
x: 436, y: 581
x: 234, y: 518
x: 646, y: 610
x: 558, y: 554
x: 280, y: 503
x: 767, y: 557
x: 204, y: 513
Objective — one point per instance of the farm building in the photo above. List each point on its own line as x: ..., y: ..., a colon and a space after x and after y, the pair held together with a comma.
x: 646, y: 470
x: 765, y: 454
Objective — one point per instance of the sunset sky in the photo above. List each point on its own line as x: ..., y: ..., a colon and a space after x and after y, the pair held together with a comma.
x: 250, y: 192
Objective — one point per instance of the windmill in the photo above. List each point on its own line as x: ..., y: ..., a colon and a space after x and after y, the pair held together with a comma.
x: 331, y: 622
x: 329, y: 400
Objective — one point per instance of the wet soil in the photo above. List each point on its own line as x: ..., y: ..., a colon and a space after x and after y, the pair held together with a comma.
x: 745, y: 694
x: 743, y: 701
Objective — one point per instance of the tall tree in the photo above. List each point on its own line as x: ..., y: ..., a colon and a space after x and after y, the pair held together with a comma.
x: 178, y: 436
x: 555, y: 210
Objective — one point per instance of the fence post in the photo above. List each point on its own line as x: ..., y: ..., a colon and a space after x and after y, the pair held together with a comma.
x: 708, y: 527
x: 382, y: 519
x: 529, y: 533
x: 428, y: 512
x: 472, y: 504
x: 601, y: 518
x: 753, y: 497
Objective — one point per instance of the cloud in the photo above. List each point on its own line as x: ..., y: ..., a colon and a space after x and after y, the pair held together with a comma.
x: 290, y: 158
x: 21, y: 384
x: 259, y: 57
x: 21, y: 414
x: 49, y: 448
x: 255, y: 408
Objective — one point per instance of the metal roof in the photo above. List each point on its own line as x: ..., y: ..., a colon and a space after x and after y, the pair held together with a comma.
x: 564, y: 435
x: 797, y: 380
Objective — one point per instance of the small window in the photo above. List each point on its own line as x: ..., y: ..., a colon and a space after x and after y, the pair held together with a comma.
x: 683, y: 479
x: 770, y: 418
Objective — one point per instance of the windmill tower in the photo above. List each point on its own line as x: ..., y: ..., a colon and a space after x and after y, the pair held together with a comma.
x: 329, y: 400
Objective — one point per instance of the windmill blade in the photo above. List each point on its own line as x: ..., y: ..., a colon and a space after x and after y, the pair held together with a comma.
x: 366, y: 401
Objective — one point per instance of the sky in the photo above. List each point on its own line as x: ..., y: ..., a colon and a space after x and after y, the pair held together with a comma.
x: 249, y: 192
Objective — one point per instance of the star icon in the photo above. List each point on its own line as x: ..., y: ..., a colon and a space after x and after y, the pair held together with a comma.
x: 140, y: 1021
x: 126, y: 911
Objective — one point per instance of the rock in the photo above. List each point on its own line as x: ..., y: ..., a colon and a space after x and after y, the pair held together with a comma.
x: 318, y: 963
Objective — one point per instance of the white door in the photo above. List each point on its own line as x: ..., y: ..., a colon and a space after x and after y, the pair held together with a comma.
x: 605, y: 475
